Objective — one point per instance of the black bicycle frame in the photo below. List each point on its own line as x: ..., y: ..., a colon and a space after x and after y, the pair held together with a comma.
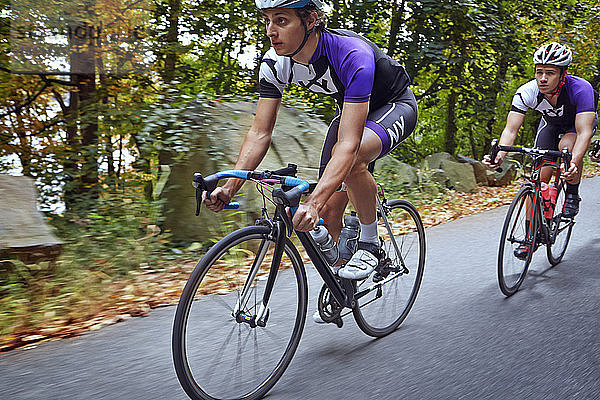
x: 343, y: 294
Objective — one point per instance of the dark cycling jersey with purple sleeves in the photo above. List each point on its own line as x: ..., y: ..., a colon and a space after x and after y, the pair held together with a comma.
x: 351, y: 69
x: 345, y: 65
x: 576, y: 96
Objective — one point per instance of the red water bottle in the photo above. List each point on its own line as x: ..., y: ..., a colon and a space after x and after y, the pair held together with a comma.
x: 549, y: 196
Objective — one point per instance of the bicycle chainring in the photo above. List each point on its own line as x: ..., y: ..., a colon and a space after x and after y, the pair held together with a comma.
x: 329, y: 308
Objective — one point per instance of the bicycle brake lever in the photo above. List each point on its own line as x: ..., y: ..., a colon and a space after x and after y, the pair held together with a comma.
x: 198, y: 200
x: 494, y: 153
x: 200, y: 185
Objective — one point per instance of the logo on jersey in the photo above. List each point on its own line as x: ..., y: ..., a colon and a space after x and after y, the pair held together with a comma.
x: 554, y: 112
x: 316, y: 81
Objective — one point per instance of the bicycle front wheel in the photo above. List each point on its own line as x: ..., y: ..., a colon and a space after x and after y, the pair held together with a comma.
x: 560, y: 229
x: 221, y: 350
x: 517, y: 242
x: 386, y: 297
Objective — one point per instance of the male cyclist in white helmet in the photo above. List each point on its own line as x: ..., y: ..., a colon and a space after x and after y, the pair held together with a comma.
x: 568, y: 107
x: 376, y: 111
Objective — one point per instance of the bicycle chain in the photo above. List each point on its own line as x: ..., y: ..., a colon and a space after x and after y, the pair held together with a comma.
x: 329, y: 308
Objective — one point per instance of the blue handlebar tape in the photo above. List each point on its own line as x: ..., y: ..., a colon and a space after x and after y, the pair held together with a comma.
x: 288, y: 180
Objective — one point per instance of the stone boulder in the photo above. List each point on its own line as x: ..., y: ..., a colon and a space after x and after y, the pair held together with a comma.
x: 434, y: 161
x: 510, y: 169
x: 478, y: 168
x: 432, y: 181
x: 24, y: 233
x: 460, y: 176
x: 297, y: 138
x: 403, y: 173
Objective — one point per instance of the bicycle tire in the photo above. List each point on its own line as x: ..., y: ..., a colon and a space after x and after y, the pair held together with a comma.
x: 560, y: 228
x: 383, y: 310
x: 217, y: 356
x: 512, y: 270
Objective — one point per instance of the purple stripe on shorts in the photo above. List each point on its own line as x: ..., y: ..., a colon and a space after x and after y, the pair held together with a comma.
x: 385, y: 139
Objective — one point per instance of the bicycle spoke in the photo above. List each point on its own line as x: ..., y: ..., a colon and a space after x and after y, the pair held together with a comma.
x: 560, y: 229
x: 518, y: 235
x: 219, y: 355
x: 389, y: 293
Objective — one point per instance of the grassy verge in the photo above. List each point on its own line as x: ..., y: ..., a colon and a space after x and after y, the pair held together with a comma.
x: 114, y: 267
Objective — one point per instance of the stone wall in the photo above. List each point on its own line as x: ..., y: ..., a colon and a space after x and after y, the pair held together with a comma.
x: 24, y: 232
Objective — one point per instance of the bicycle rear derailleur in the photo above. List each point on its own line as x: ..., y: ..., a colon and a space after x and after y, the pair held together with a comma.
x: 329, y: 308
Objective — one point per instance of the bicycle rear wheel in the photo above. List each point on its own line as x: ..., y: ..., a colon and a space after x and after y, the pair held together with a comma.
x: 223, y: 354
x: 390, y: 292
x: 515, y: 233
x: 560, y: 229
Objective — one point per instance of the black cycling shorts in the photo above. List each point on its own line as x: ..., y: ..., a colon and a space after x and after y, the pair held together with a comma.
x: 549, y: 135
x: 392, y: 122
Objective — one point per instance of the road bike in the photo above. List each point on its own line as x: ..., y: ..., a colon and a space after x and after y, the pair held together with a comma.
x: 242, y: 311
x: 532, y: 220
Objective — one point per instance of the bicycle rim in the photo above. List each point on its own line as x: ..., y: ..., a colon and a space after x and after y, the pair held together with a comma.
x: 383, y: 309
x: 512, y: 270
x: 217, y: 357
x: 560, y: 229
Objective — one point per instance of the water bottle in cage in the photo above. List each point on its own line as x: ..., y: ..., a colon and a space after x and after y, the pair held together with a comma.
x: 349, y: 236
x: 326, y: 243
x: 549, y: 197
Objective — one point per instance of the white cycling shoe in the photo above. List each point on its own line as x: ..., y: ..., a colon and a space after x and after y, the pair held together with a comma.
x: 362, y: 263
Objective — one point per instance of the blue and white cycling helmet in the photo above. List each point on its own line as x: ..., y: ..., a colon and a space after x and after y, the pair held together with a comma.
x: 263, y: 4
x: 553, y: 54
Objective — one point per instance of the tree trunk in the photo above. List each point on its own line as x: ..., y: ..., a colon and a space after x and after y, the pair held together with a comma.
x: 451, y: 129
x: 596, y: 79
x: 165, y: 156
x: 395, y: 24
x: 495, y: 88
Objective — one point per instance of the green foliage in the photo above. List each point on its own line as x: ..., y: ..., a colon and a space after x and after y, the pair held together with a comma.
x: 89, y: 140
x: 428, y: 190
x: 116, y: 236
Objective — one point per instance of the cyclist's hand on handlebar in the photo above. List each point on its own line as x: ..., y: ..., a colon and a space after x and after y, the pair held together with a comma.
x: 488, y: 162
x: 306, y: 217
x: 218, y: 199
x: 570, y: 173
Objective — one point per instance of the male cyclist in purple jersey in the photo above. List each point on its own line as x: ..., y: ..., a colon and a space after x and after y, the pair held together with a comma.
x: 376, y: 111
x: 568, y: 107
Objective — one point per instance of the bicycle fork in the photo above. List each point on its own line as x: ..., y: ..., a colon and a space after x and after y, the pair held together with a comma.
x: 262, y: 316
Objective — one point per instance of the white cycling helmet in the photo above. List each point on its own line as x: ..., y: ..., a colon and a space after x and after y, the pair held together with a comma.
x: 263, y: 4
x: 553, y: 54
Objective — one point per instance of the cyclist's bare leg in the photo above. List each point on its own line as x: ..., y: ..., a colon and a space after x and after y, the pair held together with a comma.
x: 362, y: 187
x: 333, y: 212
x: 362, y: 181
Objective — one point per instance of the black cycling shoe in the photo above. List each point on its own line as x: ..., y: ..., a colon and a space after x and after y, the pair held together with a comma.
x: 522, y: 251
x: 571, y: 207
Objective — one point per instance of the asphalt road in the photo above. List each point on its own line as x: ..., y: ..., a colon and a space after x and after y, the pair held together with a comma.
x: 462, y: 340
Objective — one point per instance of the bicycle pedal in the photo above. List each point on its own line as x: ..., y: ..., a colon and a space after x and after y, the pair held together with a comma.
x: 339, y: 322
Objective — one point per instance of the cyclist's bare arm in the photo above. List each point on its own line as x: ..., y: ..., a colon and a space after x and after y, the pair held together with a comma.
x: 509, y: 134
x: 352, y: 123
x: 252, y: 152
x: 584, y: 126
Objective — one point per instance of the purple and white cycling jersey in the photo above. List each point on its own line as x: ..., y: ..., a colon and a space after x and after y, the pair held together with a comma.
x: 345, y: 66
x: 576, y: 96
